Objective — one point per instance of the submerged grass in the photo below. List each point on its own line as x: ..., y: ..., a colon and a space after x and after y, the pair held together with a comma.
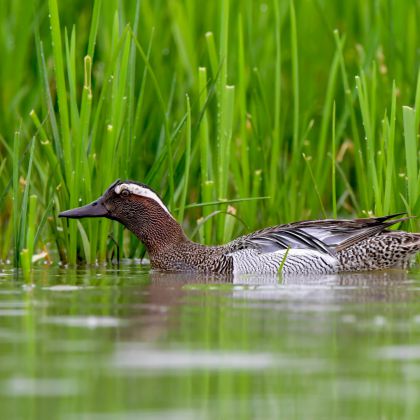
x: 314, y: 106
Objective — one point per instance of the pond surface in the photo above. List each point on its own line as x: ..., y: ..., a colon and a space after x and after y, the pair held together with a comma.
x: 122, y: 343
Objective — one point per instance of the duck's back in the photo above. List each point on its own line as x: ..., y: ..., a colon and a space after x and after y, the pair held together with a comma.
x: 324, y: 246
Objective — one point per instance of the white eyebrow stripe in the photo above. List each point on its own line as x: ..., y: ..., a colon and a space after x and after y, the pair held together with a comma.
x: 143, y: 192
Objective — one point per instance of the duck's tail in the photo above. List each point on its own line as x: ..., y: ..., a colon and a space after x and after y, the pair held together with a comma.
x: 413, y: 241
x: 408, y: 242
x: 390, y: 249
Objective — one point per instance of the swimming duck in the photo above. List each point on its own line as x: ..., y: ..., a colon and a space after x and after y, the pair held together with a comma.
x: 306, y: 247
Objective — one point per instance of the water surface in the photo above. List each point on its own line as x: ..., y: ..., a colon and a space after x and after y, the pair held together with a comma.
x: 123, y: 343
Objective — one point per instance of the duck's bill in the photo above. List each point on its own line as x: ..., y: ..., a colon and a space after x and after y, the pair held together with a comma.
x: 94, y: 209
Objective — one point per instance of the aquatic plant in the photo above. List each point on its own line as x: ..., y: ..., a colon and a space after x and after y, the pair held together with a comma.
x: 250, y: 114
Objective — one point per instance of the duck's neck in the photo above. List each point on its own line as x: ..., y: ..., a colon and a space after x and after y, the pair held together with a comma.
x: 159, y: 232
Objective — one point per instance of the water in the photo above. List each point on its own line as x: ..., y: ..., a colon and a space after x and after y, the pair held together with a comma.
x: 126, y: 344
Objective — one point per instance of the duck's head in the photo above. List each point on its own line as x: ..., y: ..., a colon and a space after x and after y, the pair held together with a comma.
x: 136, y: 206
x: 122, y: 200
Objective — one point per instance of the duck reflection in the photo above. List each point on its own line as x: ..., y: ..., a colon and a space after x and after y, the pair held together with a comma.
x: 358, y: 287
x: 351, y: 279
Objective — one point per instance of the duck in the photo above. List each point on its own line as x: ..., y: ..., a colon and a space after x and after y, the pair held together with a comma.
x: 301, y: 248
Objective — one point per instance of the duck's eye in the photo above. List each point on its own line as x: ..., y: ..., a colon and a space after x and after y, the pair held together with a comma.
x: 125, y: 193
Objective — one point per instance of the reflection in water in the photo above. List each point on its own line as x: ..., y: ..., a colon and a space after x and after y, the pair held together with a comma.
x: 402, y: 352
x: 19, y: 386
x: 371, y: 286
x: 357, y: 279
x: 82, y: 321
x: 170, y: 279
x: 330, y: 290
x: 98, y: 343
x: 135, y: 356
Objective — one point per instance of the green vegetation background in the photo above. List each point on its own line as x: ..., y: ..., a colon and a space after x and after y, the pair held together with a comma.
x: 266, y: 111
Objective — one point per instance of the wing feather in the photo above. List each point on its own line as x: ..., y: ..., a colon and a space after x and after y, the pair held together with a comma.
x: 327, y: 236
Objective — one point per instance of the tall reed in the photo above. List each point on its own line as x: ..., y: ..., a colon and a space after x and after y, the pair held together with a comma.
x: 286, y: 117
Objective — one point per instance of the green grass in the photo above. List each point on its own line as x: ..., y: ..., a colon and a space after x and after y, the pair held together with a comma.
x: 313, y: 106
